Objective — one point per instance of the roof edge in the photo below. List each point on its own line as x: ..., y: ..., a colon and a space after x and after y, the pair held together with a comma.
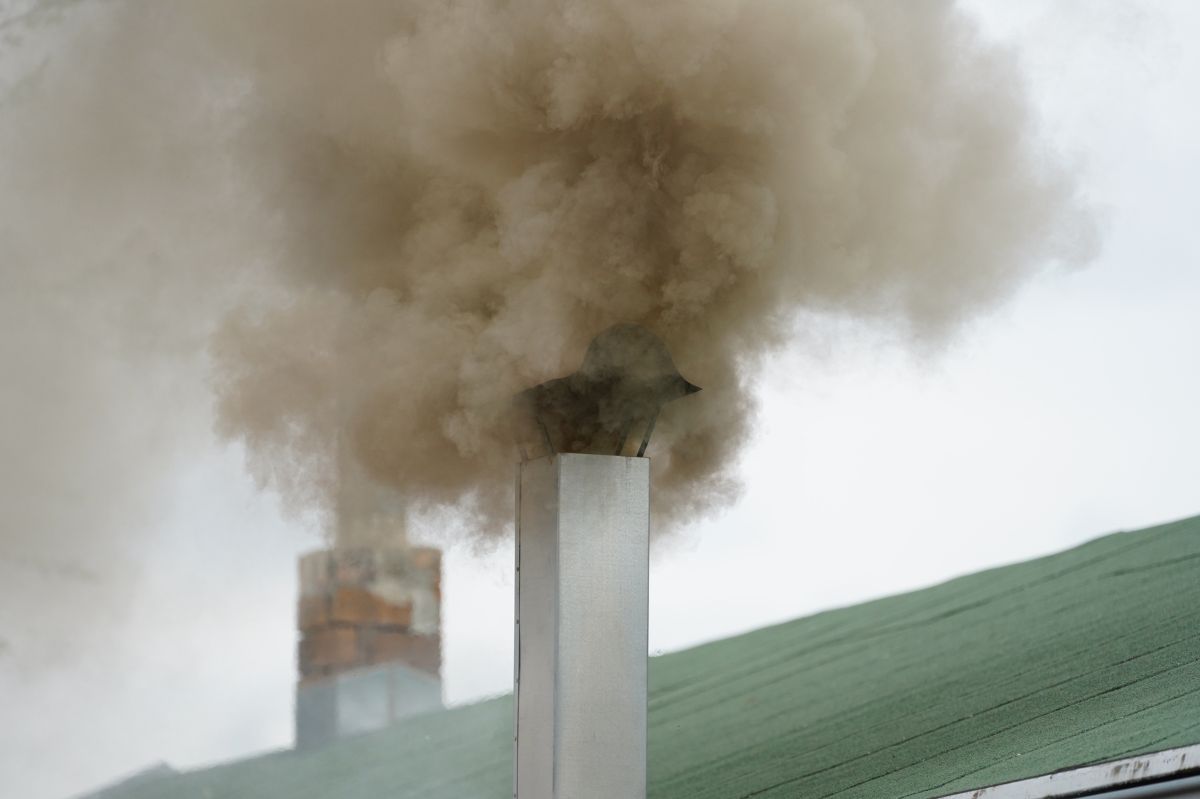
x: 1095, y: 778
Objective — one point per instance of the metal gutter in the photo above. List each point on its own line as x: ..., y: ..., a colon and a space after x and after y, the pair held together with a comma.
x: 1158, y: 774
x: 1181, y: 788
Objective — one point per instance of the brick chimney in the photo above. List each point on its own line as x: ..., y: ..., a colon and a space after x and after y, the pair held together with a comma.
x: 370, y: 640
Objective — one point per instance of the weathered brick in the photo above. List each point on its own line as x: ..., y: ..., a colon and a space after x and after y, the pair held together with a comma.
x: 346, y: 624
x: 394, y: 615
x: 422, y: 652
x: 312, y: 611
x: 336, y: 647
x: 351, y: 605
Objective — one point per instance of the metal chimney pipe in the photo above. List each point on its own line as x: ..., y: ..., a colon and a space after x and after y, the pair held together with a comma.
x: 582, y: 596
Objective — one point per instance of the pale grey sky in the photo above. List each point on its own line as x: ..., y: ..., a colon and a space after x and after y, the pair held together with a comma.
x: 1069, y: 413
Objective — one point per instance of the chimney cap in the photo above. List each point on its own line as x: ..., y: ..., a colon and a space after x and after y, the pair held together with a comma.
x: 626, y: 377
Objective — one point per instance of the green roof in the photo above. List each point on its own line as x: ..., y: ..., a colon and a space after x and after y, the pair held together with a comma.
x: 1085, y: 656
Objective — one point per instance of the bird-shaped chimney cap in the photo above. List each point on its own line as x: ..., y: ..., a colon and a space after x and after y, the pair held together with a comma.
x: 626, y: 377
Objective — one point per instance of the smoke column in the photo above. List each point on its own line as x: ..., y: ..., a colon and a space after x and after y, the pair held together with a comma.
x: 405, y: 213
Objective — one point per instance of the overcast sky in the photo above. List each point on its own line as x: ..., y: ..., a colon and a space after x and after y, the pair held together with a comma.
x: 1069, y: 413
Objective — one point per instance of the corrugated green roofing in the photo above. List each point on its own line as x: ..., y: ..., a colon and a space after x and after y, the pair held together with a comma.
x: 1084, y: 656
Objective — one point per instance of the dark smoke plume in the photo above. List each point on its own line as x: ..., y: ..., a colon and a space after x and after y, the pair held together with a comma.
x: 409, y: 212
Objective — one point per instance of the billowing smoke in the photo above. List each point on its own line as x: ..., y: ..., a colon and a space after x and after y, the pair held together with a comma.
x: 442, y: 201
x: 107, y: 302
x: 467, y: 192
